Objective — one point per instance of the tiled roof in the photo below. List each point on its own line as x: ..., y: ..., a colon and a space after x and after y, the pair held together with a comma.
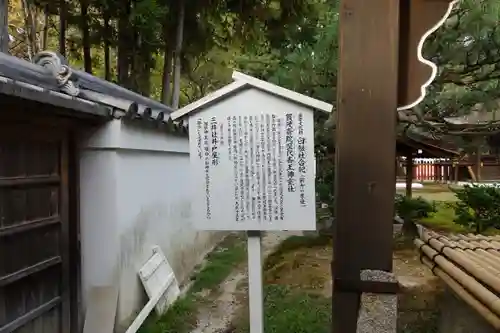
x: 50, y: 80
x: 469, y: 265
x: 243, y: 81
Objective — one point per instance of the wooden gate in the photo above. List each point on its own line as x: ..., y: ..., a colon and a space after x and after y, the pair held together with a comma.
x: 34, y: 231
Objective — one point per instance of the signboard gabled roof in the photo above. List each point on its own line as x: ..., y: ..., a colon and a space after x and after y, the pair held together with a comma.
x: 243, y: 81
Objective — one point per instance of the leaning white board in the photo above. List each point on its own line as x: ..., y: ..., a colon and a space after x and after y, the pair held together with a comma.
x: 153, y: 274
x: 253, y: 168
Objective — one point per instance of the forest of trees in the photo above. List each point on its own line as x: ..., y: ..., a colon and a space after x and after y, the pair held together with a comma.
x: 172, y: 50
x: 177, y: 51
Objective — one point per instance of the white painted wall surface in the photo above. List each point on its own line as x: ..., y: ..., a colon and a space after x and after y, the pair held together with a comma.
x: 134, y: 194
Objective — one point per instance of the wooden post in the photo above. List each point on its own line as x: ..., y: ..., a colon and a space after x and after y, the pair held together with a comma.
x: 478, y: 163
x: 409, y: 174
x: 371, y: 62
x: 365, y: 139
x: 446, y: 172
x: 4, y: 26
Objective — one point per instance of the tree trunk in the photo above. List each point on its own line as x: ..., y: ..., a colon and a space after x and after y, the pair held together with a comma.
x: 87, y: 57
x: 167, y: 75
x: 107, y: 45
x: 4, y: 26
x: 36, y: 41
x: 123, y: 63
x: 62, y: 27
x: 142, y: 66
x: 46, y: 23
x: 144, y: 71
x: 145, y: 75
x: 409, y: 229
x: 29, y: 29
x: 135, y: 60
x: 178, y: 50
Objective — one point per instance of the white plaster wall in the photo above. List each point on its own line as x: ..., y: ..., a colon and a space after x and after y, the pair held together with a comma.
x: 135, y: 194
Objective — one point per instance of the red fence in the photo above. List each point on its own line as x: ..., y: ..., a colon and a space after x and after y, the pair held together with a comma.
x: 444, y: 170
x: 432, y: 169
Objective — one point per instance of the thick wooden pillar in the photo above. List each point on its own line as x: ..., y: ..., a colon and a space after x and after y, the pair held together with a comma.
x: 409, y: 174
x: 365, y: 154
x: 478, y: 164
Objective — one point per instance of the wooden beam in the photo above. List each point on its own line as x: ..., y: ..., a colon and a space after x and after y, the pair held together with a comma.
x: 365, y: 168
x: 409, y: 174
x: 478, y: 163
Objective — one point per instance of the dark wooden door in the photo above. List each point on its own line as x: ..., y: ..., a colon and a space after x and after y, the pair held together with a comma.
x: 34, y: 237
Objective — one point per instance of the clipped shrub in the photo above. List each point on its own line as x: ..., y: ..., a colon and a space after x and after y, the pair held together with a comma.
x: 411, y: 210
x: 478, y: 207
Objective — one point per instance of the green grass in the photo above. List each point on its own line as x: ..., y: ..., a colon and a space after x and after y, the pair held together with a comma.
x: 288, y: 310
x: 442, y: 220
x: 293, y: 243
x: 444, y: 198
x: 181, y: 316
x: 221, y: 263
x: 425, y: 322
x: 432, y: 194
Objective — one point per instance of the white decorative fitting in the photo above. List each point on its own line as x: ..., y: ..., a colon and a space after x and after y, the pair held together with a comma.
x: 434, y: 69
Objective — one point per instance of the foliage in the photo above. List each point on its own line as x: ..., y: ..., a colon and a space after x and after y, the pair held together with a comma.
x: 181, y: 316
x: 478, y: 207
x: 221, y: 262
x: 134, y: 42
x: 287, y: 310
x: 413, y: 209
x: 306, y: 61
x: 443, y: 219
x: 466, y: 52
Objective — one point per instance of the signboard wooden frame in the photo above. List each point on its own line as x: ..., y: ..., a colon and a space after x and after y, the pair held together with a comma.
x: 253, y: 166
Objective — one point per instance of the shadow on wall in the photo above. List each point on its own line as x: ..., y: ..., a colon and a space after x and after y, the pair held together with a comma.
x: 170, y: 228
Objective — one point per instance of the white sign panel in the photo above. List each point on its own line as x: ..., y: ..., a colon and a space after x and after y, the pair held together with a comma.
x: 253, y: 170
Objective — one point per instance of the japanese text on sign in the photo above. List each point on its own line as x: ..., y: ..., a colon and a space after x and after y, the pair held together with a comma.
x: 258, y: 164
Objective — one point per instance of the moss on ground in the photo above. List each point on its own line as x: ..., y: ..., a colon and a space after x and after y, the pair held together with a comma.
x: 181, y: 316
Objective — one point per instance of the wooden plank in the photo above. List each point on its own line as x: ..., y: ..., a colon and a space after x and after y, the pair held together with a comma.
x: 29, y: 181
x: 65, y: 236
x: 101, y: 310
x: 365, y: 141
x: 29, y: 225
x: 24, y: 319
x: 3, y: 305
x: 13, y: 130
x: 153, y: 274
x: 77, y: 317
x: 8, y: 279
x: 141, y: 317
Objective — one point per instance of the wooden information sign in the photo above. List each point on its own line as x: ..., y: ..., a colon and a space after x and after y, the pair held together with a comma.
x: 252, y: 163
